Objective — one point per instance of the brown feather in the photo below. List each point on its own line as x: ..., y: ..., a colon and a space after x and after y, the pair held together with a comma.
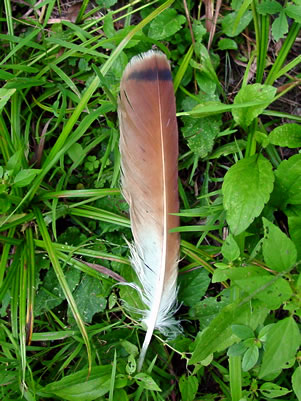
x: 149, y: 154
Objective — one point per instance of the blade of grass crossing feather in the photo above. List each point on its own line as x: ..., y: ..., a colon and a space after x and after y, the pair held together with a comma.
x: 92, y: 212
x: 62, y: 280
x: 30, y: 247
x: 83, y: 252
x: 80, y: 193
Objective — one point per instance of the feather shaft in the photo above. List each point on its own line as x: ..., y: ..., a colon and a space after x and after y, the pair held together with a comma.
x: 149, y: 155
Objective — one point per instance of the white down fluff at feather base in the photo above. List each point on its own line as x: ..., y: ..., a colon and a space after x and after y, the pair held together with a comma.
x: 149, y: 159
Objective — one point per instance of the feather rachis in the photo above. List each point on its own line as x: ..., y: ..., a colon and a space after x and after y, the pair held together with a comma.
x: 149, y: 152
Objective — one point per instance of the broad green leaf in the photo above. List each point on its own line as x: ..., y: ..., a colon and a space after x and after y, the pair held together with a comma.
x: 81, y: 385
x: 193, y: 286
x: 188, y: 387
x: 288, y: 181
x: 228, y: 23
x: 246, y: 188
x: 261, y: 285
x: 249, y: 93
x: 146, y: 381
x: 269, y: 7
x: 206, y: 310
x: 250, y: 358
x: 200, y: 133
x: 242, y: 331
x: 280, y: 26
x: 219, y: 330
x: 296, y: 381
x: 288, y: 135
x: 282, y: 343
x: 272, y: 390
x: 294, y: 11
x: 227, y: 44
x: 89, y: 297
x: 294, y: 226
x: 166, y: 24
x: 230, y: 249
x: 50, y: 293
x: 75, y: 152
x: 237, y: 349
x: 25, y: 177
x: 279, y: 251
x: 199, y: 30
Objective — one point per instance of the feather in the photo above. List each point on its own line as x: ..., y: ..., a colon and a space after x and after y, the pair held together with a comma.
x: 149, y: 161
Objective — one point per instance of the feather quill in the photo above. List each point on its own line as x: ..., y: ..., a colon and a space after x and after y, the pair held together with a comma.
x: 149, y: 160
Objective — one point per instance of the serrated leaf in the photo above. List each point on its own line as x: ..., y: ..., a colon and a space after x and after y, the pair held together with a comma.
x: 89, y: 297
x: 198, y: 30
x: 282, y: 343
x: 188, y: 387
x: 200, y: 133
x: 269, y: 7
x: 288, y: 135
x: 250, y: 93
x: 228, y: 23
x: 246, y: 188
x: 166, y: 24
x: 279, y: 251
x: 296, y: 382
x: 272, y: 390
x: 293, y: 11
x: 250, y: 358
x: 230, y: 249
x: 280, y: 26
x: 193, y: 286
x: 288, y: 180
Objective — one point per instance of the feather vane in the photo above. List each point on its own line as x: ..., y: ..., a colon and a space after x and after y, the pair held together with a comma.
x: 149, y: 159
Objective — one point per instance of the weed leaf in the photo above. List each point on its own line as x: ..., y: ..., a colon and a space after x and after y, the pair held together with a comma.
x: 282, y: 343
x: 279, y: 251
x: 288, y: 135
x: 246, y: 189
x: 250, y: 93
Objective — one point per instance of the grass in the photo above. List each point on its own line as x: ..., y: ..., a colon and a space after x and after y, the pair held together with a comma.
x: 66, y: 333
